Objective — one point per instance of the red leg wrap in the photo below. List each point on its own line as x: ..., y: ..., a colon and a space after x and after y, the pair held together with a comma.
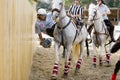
x: 55, y: 69
x: 79, y: 64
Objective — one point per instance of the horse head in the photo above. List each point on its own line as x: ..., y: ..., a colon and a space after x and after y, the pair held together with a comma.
x: 92, y: 12
x: 56, y: 8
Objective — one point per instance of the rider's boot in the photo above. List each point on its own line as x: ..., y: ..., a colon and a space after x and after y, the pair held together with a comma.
x: 111, y: 36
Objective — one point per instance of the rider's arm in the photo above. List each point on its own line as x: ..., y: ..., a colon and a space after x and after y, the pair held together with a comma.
x: 37, y: 30
x: 69, y: 11
x: 107, y: 11
x: 40, y: 36
x: 49, y: 21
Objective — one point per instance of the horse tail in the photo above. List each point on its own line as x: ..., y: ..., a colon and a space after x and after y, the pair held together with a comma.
x: 76, y: 52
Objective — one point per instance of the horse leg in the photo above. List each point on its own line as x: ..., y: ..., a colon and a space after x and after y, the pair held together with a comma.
x: 94, y: 56
x: 55, y: 68
x: 108, y: 58
x: 63, y: 54
x: 101, y: 54
x: 108, y: 55
x: 79, y: 62
x: 67, y: 60
x: 87, y: 47
x: 108, y: 52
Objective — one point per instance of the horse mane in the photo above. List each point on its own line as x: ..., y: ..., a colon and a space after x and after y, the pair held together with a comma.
x: 92, y: 6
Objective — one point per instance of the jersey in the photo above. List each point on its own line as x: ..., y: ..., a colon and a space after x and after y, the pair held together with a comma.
x: 75, y: 10
x: 103, y: 9
x: 41, y: 26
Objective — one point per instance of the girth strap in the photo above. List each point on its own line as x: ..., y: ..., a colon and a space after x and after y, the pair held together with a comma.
x: 75, y: 36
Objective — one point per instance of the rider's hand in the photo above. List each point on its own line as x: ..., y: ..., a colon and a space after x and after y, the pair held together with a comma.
x: 42, y: 40
x: 103, y: 14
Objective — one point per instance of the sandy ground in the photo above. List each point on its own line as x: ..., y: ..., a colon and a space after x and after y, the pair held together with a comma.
x: 44, y: 58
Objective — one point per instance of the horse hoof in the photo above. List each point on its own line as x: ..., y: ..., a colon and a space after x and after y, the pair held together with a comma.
x: 77, y: 71
x: 53, y: 78
x: 101, y: 64
x: 108, y: 64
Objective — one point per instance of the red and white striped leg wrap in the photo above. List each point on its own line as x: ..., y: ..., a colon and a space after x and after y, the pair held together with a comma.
x: 79, y: 64
x: 66, y: 70
x: 69, y: 63
x: 108, y: 58
x: 55, y: 69
x: 94, y: 60
x: 100, y: 61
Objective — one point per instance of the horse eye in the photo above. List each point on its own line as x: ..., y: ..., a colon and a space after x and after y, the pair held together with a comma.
x: 61, y: 3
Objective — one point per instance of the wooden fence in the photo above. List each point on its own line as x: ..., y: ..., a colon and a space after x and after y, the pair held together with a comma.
x: 16, y: 18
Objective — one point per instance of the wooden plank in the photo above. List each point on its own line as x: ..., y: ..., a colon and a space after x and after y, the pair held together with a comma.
x: 16, y: 18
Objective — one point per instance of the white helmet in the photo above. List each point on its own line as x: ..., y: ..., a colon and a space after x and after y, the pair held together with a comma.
x: 42, y: 11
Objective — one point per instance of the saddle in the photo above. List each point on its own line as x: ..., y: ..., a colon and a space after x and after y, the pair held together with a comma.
x: 78, y: 23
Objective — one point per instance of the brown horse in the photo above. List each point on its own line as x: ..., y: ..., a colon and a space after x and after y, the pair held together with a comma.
x: 114, y: 49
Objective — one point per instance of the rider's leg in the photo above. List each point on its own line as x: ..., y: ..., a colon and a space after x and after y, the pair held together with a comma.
x: 110, y: 28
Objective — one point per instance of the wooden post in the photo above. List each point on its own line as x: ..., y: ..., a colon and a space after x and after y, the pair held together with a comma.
x: 16, y: 19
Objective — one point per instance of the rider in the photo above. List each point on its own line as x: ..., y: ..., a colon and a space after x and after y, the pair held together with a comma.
x: 44, y: 23
x: 104, y: 10
x: 76, y: 11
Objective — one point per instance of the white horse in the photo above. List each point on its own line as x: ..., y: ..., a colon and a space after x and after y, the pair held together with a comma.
x: 100, y: 35
x: 69, y: 36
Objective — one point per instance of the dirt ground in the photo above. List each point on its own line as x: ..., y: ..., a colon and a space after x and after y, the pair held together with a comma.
x: 44, y: 58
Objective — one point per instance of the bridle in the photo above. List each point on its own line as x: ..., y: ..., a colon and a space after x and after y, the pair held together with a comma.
x: 94, y: 19
x: 55, y: 9
x: 59, y: 10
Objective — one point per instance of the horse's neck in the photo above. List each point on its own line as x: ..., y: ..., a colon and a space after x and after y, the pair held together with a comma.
x: 63, y: 12
x: 64, y: 19
x: 99, y: 16
x: 99, y: 24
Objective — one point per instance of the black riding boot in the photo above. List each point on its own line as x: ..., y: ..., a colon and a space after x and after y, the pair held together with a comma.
x: 110, y: 29
x: 111, y: 36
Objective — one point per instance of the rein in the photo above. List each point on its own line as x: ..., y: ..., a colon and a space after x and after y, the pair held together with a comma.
x: 55, y: 9
x: 94, y: 19
x: 65, y: 25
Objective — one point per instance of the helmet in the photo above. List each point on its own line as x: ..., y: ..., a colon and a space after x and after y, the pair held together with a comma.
x: 42, y: 11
